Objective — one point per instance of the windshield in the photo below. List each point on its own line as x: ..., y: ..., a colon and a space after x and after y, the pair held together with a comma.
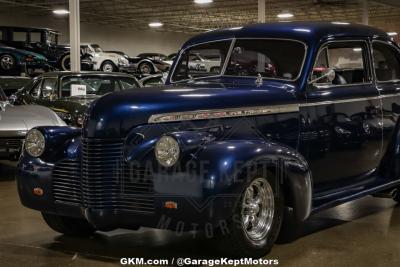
x: 96, y: 48
x: 274, y: 59
x: 100, y: 85
x: 52, y: 38
x: 202, y: 61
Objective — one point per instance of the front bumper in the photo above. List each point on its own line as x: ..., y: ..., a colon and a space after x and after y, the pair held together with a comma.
x: 192, y: 206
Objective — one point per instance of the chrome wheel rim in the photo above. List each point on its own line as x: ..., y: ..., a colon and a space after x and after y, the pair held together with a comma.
x: 108, y: 67
x: 258, y: 209
x: 145, y: 69
x: 7, y: 62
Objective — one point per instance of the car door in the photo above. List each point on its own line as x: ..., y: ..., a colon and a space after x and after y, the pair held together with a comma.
x: 338, y: 145
x: 386, y: 62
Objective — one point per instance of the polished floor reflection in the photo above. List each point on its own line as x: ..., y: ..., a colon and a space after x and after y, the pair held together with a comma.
x: 361, y: 233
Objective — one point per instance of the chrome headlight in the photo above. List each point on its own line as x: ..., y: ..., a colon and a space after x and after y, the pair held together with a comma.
x: 35, y: 143
x: 167, y: 151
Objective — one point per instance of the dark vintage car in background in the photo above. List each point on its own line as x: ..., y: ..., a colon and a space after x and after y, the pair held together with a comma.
x: 233, y: 151
x: 12, y: 84
x: 69, y: 94
x: 16, y: 61
x: 42, y: 41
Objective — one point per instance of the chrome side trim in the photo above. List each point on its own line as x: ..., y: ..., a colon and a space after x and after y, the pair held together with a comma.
x: 250, y: 111
x: 222, y: 113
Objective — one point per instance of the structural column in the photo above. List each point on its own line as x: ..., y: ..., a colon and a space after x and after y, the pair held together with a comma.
x: 75, y: 35
x: 365, y: 15
x: 261, y: 11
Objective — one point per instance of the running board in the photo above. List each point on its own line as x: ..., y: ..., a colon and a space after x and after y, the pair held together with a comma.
x: 324, y: 200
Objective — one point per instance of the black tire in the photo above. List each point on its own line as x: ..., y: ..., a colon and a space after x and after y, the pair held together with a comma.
x: 68, y: 226
x: 7, y: 63
x: 65, y: 63
x: 146, y: 68
x: 237, y: 242
x: 108, y: 66
x: 290, y: 229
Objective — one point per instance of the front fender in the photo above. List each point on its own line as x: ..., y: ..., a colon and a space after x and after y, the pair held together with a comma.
x: 227, y: 160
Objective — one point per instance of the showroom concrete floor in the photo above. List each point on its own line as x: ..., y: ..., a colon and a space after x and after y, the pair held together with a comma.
x: 361, y: 233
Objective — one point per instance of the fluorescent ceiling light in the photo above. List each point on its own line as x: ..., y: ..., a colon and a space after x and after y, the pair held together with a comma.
x: 202, y: 2
x: 60, y: 11
x: 392, y: 33
x: 155, y: 24
x: 357, y: 49
x: 285, y: 15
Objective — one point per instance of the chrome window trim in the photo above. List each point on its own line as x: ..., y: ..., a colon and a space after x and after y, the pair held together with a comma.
x: 330, y: 86
x: 193, y: 45
x: 397, y: 49
x: 234, y: 39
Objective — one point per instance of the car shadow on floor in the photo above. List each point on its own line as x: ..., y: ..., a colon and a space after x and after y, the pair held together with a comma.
x: 149, y: 243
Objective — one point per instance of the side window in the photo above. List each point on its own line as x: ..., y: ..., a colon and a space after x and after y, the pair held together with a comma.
x: 386, y: 62
x: 35, y: 91
x: 127, y: 83
x: 345, y: 62
x: 36, y: 37
x: 49, y: 88
x: 20, y: 36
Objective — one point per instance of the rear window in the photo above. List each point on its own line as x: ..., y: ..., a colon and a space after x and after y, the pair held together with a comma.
x: 20, y: 36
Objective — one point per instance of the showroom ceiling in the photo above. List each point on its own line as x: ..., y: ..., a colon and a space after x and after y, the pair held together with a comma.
x: 186, y: 16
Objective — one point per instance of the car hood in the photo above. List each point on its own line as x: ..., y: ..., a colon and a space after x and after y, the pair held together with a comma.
x: 25, y: 117
x: 114, y: 115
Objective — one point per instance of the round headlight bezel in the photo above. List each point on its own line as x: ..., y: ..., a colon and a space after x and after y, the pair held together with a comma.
x: 170, y: 157
x: 35, y: 143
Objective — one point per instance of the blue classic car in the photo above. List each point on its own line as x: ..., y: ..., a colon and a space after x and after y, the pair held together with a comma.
x: 245, y: 153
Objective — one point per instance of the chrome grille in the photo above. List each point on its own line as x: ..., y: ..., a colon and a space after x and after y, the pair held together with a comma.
x: 67, y: 182
x: 108, y: 183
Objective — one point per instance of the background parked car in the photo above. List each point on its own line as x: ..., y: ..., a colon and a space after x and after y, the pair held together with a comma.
x: 69, y: 94
x: 158, y: 79
x: 104, y: 61
x: 15, y: 61
x: 41, y: 41
x: 11, y: 84
x: 15, y: 121
x: 149, y: 63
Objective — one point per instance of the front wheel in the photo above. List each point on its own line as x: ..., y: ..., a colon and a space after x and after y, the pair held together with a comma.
x: 108, y: 66
x: 7, y: 63
x: 65, y: 63
x: 68, y: 225
x: 146, y: 68
x: 257, y: 219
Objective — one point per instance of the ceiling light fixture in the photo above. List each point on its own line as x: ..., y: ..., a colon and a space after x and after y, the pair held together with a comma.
x: 285, y: 15
x: 203, y: 2
x: 392, y: 33
x: 155, y: 24
x: 60, y: 11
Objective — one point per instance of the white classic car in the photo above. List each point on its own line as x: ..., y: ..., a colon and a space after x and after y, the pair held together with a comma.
x: 202, y: 63
x: 104, y: 61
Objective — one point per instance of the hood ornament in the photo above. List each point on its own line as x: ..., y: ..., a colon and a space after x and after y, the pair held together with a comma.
x: 259, y: 80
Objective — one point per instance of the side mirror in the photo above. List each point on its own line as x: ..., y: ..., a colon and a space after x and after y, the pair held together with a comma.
x: 328, y: 74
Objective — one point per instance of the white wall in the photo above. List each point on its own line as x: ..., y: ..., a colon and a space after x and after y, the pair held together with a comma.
x: 128, y: 40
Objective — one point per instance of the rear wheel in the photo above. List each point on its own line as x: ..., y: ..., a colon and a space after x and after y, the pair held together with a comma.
x: 108, y: 66
x: 68, y: 225
x: 146, y: 68
x: 257, y: 219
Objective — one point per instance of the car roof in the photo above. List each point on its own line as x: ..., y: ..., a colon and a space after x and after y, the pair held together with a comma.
x: 86, y: 73
x: 29, y: 28
x: 307, y: 32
